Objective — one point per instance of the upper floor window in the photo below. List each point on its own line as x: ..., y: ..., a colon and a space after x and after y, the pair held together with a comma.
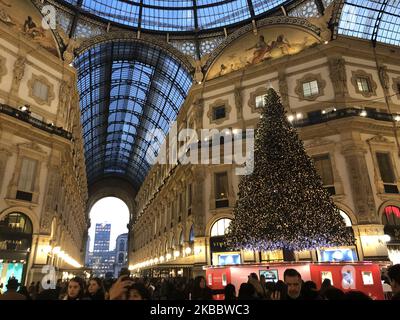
x: 363, y: 84
x: 323, y: 166
x: 191, y: 235
x: 219, y: 112
x: 310, y: 88
x: 122, y: 245
x: 260, y: 101
x: 27, y: 175
x: 387, y: 173
x: 221, y: 190
x: 40, y: 90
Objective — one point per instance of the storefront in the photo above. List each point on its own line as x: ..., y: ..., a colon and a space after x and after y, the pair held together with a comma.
x: 15, y: 246
x: 391, y: 221
x: 221, y: 255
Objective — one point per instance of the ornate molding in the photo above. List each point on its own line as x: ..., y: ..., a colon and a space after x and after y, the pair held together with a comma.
x: 308, y: 78
x: 362, y: 74
x: 379, y: 139
x: 50, y: 93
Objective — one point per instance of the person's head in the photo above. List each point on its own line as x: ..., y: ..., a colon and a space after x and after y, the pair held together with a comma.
x: 246, y: 291
x: 254, y: 276
x: 394, y: 277
x: 138, y: 291
x: 75, y: 288
x: 293, y: 282
x: 12, y: 284
x: 200, y: 282
x: 326, y: 283
x: 261, y: 38
x: 95, y: 285
x: 230, y: 292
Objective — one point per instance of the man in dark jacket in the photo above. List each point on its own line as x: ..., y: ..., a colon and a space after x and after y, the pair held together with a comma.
x: 394, y: 276
x: 11, y: 293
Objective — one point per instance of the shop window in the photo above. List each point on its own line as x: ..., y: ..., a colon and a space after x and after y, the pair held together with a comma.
x: 220, y: 227
x: 221, y: 190
x: 323, y: 166
x: 310, y: 89
x: 391, y: 216
x: 387, y: 173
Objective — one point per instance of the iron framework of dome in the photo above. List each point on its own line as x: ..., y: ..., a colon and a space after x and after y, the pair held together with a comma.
x: 130, y: 91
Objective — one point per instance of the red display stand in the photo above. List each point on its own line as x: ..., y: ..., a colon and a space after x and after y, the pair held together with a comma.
x: 360, y: 276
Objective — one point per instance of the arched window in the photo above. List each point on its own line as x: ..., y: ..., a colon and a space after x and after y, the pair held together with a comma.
x: 220, y: 227
x: 122, y: 245
x: 191, y: 235
x: 346, y: 218
x: 18, y: 222
x: 16, y: 232
x: 121, y: 258
x: 391, y: 216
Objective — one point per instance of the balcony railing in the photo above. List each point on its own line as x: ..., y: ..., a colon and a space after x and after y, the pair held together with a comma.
x: 25, y: 117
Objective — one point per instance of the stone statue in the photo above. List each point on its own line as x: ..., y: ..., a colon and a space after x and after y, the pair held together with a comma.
x: 65, y: 97
x: 198, y: 76
x: 383, y: 77
x: 19, y: 70
x: 323, y: 23
x: 70, y: 45
x: 338, y: 76
x: 238, y: 102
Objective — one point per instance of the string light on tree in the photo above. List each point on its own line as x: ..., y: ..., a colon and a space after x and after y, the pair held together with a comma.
x: 282, y: 204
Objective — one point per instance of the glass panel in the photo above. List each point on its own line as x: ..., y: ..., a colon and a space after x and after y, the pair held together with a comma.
x: 221, y: 186
x: 220, y: 227
x: 385, y: 167
x: 27, y: 175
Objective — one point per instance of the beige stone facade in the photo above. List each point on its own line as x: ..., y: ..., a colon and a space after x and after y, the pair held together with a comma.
x: 351, y: 143
x: 40, y: 126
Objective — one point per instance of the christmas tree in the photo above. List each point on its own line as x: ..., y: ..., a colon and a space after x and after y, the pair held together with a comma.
x: 282, y: 204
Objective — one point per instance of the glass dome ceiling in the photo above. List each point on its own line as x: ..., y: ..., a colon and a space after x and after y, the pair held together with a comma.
x: 177, y: 15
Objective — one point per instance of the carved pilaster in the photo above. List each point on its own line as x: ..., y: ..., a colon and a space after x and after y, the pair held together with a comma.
x: 363, y: 198
x: 283, y: 89
x: 4, y: 155
x: 199, y: 111
x: 198, y: 203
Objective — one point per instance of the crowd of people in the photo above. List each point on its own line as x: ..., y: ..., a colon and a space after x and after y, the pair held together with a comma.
x: 127, y: 288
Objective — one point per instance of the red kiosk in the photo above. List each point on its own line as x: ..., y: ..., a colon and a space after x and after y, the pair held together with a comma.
x: 360, y: 276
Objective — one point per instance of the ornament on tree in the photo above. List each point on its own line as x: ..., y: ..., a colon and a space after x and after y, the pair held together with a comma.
x: 283, y: 204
